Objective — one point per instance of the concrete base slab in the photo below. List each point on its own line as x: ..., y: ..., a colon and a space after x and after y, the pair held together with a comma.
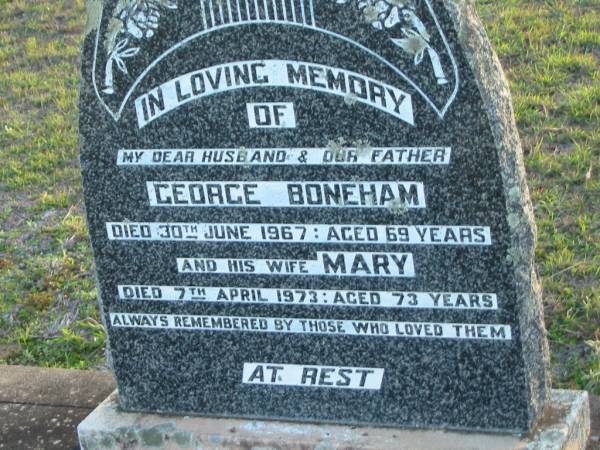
x: 39, y: 427
x: 40, y: 408
x: 566, y: 426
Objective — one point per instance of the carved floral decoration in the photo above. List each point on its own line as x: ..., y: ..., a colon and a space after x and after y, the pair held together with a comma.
x: 132, y: 22
x: 402, y: 14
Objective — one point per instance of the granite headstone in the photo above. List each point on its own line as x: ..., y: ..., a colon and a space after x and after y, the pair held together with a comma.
x: 311, y: 210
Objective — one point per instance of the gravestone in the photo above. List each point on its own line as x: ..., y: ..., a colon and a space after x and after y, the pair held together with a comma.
x: 311, y: 210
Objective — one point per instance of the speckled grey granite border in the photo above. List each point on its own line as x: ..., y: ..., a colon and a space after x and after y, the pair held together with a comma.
x: 498, y: 103
x: 566, y: 425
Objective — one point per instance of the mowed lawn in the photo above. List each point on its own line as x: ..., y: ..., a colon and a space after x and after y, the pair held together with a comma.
x: 48, y: 314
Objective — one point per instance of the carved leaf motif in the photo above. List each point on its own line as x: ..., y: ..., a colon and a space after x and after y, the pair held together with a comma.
x: 413, y: 44
x: 419, y: 57
x: 129, y: 52
x: 121, y: 45
x: 121, y: 65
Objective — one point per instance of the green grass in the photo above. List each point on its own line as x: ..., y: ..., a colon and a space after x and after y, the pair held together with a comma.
x: 551, y: 54
x: 48, y: 315
x: 48, y: 312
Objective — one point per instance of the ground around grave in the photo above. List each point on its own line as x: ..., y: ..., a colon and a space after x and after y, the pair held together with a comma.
x: 48, y: 315
x: 41, y: 408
